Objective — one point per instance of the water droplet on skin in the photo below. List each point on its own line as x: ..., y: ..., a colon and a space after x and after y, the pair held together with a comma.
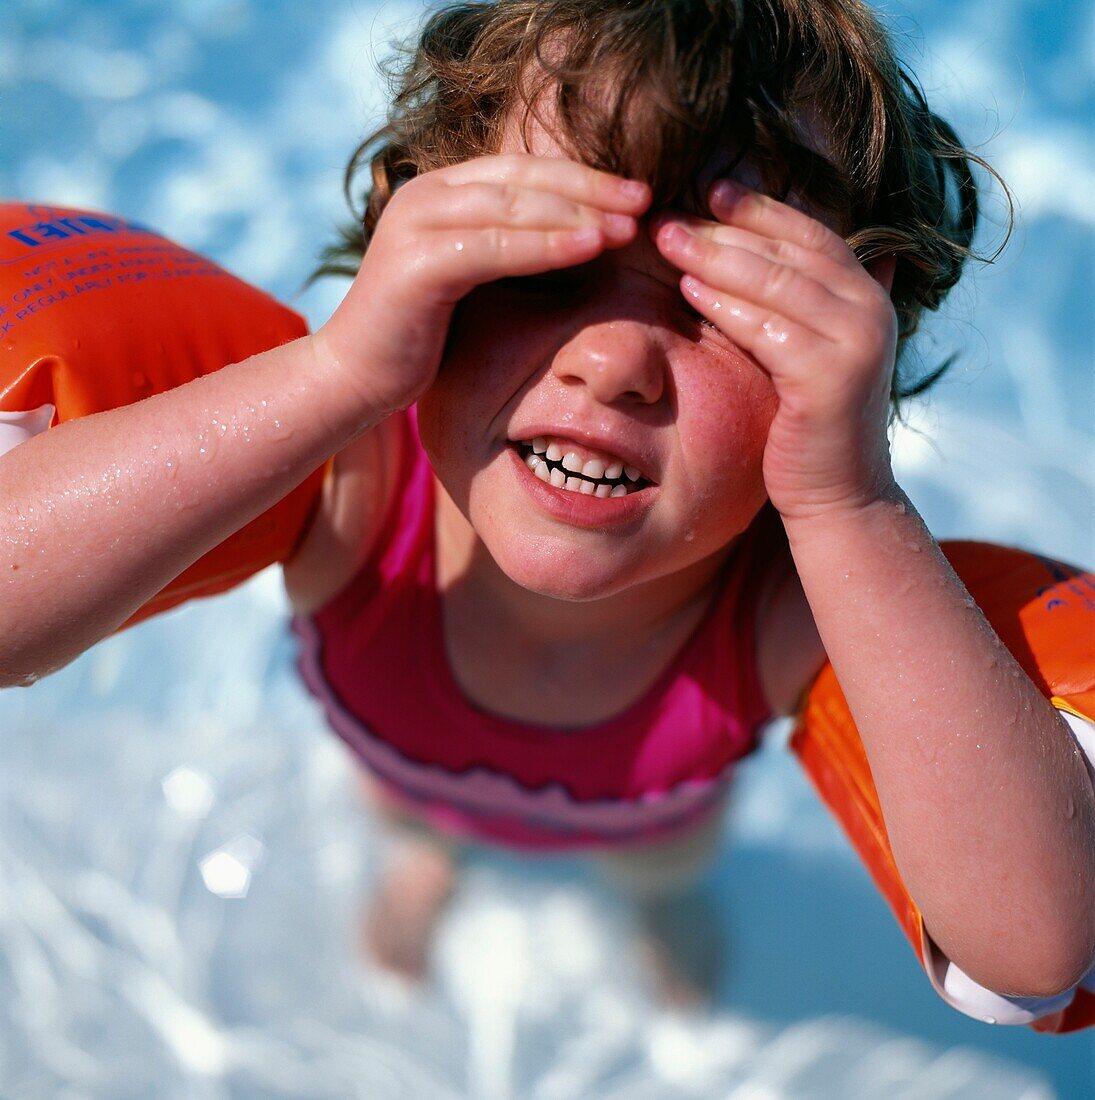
x: 900, y: 506
x: 774, y: 334
x: 172, y: 469
x: 1070, y: 809
x: 459, y: 246
x: 689, y: 536
x: 279, y: 431
x: 915, y: 547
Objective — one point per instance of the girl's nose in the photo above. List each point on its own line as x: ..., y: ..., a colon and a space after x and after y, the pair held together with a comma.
x: 617, y: 360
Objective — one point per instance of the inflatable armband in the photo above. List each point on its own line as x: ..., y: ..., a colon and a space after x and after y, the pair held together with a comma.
x: 1044, y: 612
x: 97, y: 312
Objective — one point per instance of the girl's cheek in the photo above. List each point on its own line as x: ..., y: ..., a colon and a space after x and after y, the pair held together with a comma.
x: 733, y: 405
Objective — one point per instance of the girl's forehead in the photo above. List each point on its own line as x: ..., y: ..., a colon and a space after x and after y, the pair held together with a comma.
x: 537, y: 134
x: 535, y: 131
x: 532, y: 130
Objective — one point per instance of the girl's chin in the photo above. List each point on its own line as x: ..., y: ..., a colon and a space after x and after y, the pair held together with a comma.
x: 563, y: 576
x: 560, y: 570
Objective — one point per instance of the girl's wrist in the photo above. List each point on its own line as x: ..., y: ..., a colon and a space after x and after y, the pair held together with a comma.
x: 855, y: 504
x: 882, y: 535
x: 347, y: 400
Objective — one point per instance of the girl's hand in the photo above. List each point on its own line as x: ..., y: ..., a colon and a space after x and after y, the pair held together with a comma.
x: 792, y: 294
x: 446, y: 232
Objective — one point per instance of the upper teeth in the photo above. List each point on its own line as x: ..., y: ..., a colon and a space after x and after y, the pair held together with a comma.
x: 594, y: 468
x: 566, y: 470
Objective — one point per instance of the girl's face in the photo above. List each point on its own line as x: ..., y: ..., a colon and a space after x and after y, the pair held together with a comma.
x: 609, y: 363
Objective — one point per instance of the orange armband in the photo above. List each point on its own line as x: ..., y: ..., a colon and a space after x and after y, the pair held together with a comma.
x: 97, y: 312
x: 1044, y: 612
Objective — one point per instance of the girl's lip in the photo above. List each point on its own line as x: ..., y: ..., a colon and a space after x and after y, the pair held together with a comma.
x: 578, y: 509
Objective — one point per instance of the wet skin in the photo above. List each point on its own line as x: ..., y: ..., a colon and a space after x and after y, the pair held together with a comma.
x: 609, y: 355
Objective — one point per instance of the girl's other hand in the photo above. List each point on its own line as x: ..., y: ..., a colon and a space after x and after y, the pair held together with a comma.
x: 446, y: 232
x: 792, y: 294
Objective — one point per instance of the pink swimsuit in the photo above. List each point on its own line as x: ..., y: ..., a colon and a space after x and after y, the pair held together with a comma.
x: 375, y: 657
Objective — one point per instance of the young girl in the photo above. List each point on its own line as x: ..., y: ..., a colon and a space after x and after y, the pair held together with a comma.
x: 609, y: 399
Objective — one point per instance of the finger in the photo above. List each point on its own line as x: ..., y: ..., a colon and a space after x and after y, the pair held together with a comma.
x: 733, y: 204
x: 818, y: 265
x: 778, y: 344
x: 466, y: 260
x: 479, y: 205
x: 752, y: 278
x: 568, y: 178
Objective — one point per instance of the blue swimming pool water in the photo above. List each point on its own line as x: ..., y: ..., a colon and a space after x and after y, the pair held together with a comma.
x: 179, y: 764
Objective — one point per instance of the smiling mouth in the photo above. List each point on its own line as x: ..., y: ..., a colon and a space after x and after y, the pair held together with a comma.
x: 566, y: 470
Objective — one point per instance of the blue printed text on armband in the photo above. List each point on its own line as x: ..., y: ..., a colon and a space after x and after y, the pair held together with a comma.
x: 76, y: 225
x: 1064, y: 584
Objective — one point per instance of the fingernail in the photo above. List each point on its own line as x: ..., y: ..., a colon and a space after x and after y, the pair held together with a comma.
x: 727, y: 192
x: 674, y: 234
x: 634, y: 189
x: 591, y: 234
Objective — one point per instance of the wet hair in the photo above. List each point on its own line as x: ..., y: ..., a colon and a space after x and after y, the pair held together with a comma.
x: 653, y: 89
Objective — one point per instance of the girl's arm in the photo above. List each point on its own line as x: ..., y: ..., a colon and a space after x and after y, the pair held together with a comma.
x: 987, y: 800
x: 351, y: 508
x: 988, y: 805
x: 98, y: 514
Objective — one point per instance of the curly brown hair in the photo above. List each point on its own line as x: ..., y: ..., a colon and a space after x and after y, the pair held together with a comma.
x: 653, y: 89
